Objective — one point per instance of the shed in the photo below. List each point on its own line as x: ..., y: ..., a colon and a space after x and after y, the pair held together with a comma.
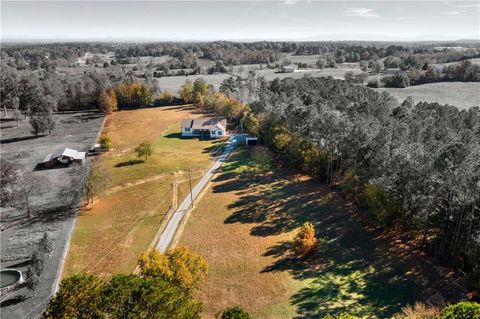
x: 48, y: 161
x: 72, y: 156
x: 289, y: 68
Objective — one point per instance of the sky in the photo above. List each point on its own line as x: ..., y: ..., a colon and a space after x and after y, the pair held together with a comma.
x: 295, y: 20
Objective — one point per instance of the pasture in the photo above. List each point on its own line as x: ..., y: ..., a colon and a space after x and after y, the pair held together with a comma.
x: 244, y: 226
x: 110, y: 234
x: 460, y: 94
x: 173, y: 83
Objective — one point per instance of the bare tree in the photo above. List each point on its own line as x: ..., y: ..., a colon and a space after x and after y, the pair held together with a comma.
x: 27, y: 185
x: 97, y: 182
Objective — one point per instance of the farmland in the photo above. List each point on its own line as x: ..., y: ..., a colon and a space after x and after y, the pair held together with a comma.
x: 244, y: 225
x: 110, y: 233
x: 173, y: 83
x: 460, y: 94
x: 20, y: 235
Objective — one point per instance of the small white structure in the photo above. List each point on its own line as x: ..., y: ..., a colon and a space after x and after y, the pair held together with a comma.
x: 211, y: 127
x: 289, y: 68
x: 70, y: 156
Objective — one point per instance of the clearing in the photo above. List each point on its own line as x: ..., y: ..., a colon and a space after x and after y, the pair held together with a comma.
x: 244, y: 225
x: 460, y: 94
x: 110, y: 234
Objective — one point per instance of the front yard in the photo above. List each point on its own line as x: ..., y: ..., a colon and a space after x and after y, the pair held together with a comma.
x: 110, y: 233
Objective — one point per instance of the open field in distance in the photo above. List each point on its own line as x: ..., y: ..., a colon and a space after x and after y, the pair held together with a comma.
x: 460, y: 94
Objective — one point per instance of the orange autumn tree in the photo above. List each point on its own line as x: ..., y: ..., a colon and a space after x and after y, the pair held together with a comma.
x: 134, y: 94
x: 305, y: 241
x: 108, y: 101
x: 179, y: 265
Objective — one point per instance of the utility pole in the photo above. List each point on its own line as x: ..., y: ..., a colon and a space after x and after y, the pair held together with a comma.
x: 190, y: 182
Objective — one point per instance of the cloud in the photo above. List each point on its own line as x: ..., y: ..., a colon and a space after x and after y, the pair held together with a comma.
x: 361, y: 12
x: 454, y: 13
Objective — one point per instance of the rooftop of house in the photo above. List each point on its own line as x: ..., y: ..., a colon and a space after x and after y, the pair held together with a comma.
x: 206, y: 123
x: 289, y: 66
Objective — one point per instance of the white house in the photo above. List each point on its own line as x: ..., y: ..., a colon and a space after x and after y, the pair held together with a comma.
x: 212, y: 127
x: 289, y: 68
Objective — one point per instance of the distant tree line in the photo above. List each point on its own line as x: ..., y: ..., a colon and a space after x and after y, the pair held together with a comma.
x: 35, y: 56
x: 465, y: 71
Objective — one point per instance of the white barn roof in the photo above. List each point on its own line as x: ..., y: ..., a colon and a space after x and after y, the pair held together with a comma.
x: 68, y: 152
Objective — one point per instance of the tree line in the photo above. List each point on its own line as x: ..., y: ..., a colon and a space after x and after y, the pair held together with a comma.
x: 35, y: 56
x: 414, y: 166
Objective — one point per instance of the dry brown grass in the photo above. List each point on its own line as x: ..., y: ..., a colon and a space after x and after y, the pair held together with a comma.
x: 111, y: 233
x: 236, y: 260
x: 244, y: 226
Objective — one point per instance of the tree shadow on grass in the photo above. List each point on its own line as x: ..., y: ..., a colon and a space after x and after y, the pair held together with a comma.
x: 13, y: 301
x: 175, y: 135
x: 349, y: 271
x: 130, y: 163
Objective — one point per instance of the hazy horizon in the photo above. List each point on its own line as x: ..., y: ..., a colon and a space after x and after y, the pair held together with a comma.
x: 149, y: 21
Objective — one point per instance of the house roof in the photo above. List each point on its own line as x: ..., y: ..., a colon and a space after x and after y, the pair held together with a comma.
x: 68, y: 152
x: 48, y: 158
x: 206, y: 123
x: 289, y: 66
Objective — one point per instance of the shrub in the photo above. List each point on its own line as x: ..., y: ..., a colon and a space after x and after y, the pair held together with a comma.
x: 352, y: 187
x: 105, y: 143
x: 166, y: 97
x: 315, y: 162
x: 234, y: 312
x: 261, y: 156
x: 461, y: 310
x: 418, y: 311
x: 383, y: 208
x: 305, y: 241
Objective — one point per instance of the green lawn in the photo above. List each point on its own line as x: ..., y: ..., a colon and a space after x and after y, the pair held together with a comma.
x: 244, y: 226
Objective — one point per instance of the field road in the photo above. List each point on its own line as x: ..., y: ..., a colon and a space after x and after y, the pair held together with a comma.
x: 167, y: 236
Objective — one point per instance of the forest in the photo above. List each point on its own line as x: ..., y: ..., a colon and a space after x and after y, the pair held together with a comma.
x: 413, y: 167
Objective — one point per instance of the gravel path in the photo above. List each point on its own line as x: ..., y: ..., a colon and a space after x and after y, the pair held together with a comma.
x: 171, y: 228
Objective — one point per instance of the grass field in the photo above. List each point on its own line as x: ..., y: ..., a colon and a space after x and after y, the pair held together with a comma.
x: 244, y: 225
x: 460, y: 94
x: 111, y: 233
